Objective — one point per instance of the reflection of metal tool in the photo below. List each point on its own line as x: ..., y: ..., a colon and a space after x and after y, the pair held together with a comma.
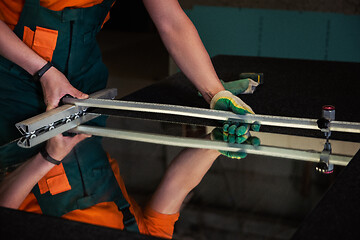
x: 328, y: 115
x: 209, y: 144
x: 324, y: 165
x: 44, y: 126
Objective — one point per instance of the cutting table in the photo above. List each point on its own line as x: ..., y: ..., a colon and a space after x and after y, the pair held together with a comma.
x: 295, y: 111
x: 292, y: 89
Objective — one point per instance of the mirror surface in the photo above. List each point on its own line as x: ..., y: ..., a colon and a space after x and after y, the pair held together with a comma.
x: 261, y: 195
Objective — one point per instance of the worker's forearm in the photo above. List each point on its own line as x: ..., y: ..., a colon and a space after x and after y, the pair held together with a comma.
x: 15, y: 50
x: 184, y: 45
x: 17, y: 185
x: 184, y: 174
x: 188, y: 51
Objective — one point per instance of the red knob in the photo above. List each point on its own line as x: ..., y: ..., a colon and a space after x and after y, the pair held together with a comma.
x: 328, y: 107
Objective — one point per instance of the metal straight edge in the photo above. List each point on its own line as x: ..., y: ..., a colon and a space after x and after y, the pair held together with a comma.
x: 351, y: 127
x: 28, y: 142
x: 45, y: 119
x: 209, y: 144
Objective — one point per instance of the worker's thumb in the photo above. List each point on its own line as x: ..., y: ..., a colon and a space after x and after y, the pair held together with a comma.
x: 80, y: 95
x: 49, y: 107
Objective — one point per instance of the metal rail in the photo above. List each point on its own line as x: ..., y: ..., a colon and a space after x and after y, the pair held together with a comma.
x: 350, y: 127
x: 209, y: 144
x: 45, y: 119
x: 46, y: 125
x: 29, y: 142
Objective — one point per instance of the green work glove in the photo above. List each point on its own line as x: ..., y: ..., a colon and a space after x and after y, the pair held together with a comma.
x: 225, y: 100
x: 234, y: 132
x: 246, y: 84
x: 220, y: 135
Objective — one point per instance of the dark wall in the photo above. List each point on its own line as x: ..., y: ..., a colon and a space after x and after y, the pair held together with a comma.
x: 129, y: 16
x: 336, y: 6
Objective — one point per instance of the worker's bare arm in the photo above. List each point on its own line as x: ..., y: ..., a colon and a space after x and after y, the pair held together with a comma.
x: 184, y: 174
x: 12, y: 48
x: 184, y: 45
x: 55, y: 85
x: 17, y: 185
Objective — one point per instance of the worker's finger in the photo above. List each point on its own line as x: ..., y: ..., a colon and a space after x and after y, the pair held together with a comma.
x: 242, y: 138
x: 51, y: 106
x: 72, y: 141
x: 79, y: 137
x: 255, y: 141
x: 226, y: 127
x: 239, y: 106
x: 78, y: 94
x: 236, y: 155
x: 255, y: 126
x: 232, y: 129
x: 231, y: 139
x: 242, y: 129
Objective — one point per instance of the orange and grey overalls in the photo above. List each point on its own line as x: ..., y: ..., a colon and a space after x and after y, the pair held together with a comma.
x: 67, y: 39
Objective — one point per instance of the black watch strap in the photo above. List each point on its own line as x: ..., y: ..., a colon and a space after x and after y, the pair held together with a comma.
x: 48, y: 158
x: 41, y: 72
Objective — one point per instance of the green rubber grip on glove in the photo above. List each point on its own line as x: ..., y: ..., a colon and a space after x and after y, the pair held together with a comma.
x: 225, y: 100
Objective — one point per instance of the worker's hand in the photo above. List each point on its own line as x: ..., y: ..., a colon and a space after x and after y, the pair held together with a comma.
x: 60, y: 146
x: 55, y: 86
x: 225, y: 100
x: 246, y: 84
x: 234, y: 132
x: 221, y: 135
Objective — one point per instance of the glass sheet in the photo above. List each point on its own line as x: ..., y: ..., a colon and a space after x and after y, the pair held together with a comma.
x: 258, y: 196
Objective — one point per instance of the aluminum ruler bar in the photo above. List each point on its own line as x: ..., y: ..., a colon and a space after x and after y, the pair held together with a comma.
x: 29, y: 142
x: 209, y: 144
x: 46, y: 125
x: 351, y: 127
x: 45, y: 119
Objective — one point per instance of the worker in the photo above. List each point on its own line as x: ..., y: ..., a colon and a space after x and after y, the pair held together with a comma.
x: 58, y: 54
x: 48, y: 50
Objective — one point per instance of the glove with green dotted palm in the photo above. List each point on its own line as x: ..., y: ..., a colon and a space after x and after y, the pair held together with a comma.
x: 234, y: 132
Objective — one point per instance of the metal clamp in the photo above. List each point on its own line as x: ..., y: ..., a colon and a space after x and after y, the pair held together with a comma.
x: 328, y: 115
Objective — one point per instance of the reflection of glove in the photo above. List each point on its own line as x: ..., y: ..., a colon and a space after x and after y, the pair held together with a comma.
x: 246, y: 84
x: 220, y: 135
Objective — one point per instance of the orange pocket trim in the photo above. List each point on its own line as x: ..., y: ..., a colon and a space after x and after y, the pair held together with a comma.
x: 54, y: 181
x: 43, y: 41
x: 45, y: 38
x: 28, y: 37
x: 58, y: 184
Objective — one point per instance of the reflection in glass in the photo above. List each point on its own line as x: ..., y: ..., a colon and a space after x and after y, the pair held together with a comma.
x: 245, y: 194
